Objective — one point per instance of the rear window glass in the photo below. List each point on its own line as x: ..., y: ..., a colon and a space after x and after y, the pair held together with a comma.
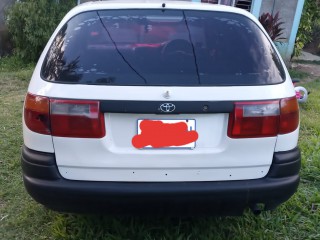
x: 156, y: 48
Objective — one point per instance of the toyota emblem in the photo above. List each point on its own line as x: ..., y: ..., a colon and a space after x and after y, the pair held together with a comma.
x: 167, y: 107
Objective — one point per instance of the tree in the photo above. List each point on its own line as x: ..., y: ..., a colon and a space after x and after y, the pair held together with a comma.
x: 31, y: 23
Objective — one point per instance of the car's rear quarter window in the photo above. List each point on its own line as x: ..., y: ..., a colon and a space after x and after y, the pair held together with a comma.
x: 156, y: 48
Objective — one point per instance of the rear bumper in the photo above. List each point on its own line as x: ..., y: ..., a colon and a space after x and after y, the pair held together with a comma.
x: 44, y: 183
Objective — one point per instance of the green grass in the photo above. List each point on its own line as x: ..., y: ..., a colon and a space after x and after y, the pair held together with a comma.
x: 22, y: 218
x: 298, y: 74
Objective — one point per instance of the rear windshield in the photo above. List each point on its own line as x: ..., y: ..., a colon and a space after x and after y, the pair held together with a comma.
x: 162, y: 48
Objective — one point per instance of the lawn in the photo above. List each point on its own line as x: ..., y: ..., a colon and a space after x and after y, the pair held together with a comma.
x: 22, y: 218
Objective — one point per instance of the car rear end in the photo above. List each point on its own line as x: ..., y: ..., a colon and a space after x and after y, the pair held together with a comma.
x: 177, y: 105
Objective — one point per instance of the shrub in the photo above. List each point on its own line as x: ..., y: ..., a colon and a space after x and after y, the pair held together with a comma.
x: 31, y: 23
x: 272, y: 25
x: 309, y: 20
x: 316, y: 34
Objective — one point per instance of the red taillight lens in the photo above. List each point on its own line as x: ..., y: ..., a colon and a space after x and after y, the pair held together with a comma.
x: 289, y: 119
x: 36, y: 114
x: 64, y: 118
x: 254, y: 119
x: 73, y: 118
x: 263, y: 119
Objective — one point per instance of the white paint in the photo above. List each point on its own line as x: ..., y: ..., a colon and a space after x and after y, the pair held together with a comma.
x: 287, y: 142
x: 36, y: 141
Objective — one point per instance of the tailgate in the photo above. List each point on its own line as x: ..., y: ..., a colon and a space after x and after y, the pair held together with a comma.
x: 214, y: 157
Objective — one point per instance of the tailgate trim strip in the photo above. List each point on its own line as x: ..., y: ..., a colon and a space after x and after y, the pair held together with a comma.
x: 153, y: 107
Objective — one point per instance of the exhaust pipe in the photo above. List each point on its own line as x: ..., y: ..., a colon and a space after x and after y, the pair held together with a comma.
x: 257, y: 208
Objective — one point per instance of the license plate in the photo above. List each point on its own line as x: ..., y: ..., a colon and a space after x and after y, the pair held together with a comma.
x: 166, y: 134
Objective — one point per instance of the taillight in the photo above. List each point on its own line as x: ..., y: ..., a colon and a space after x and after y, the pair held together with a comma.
x: 64, y: 118
x: 76, y: 118
x: 263, y: 119
x: 36, y: 114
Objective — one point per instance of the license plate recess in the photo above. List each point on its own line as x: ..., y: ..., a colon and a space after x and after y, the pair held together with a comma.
x: 178, y: 133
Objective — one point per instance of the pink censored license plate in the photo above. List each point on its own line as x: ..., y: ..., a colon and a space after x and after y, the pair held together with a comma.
x: 164, y: 134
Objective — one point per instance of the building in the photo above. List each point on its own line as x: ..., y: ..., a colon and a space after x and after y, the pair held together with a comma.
x: 290, y: 13
x: 3, y: 5
x: 4, y: 43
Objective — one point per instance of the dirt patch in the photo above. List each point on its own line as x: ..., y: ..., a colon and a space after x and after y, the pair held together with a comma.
x: 313, y: 70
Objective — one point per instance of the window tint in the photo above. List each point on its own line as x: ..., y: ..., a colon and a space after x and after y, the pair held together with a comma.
x: 155, y: 47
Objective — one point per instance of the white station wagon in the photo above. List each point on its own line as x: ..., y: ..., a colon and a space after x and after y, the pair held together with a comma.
x: 159, y: 106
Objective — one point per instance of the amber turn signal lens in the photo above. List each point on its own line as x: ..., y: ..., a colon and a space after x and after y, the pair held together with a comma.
x: 36, y: 114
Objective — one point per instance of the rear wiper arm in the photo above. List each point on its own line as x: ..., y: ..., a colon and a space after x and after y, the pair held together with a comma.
x: 193, y: 48
x: 118, y: 51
